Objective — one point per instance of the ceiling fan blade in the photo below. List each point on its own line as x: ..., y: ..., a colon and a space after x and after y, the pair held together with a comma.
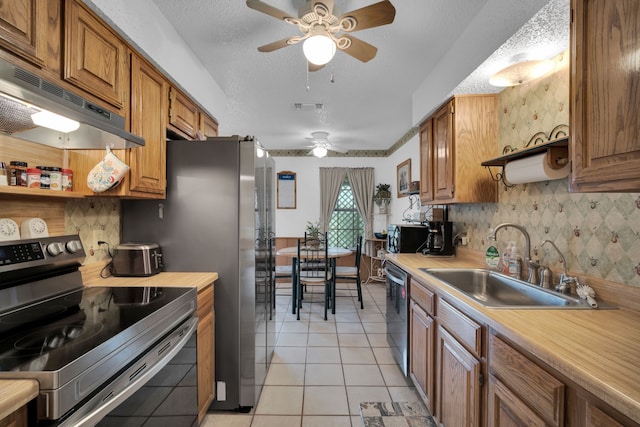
x: 359, y: 49
x: 268, y: 9
x: 338, y: 149
x: 278, y: 44
x: 374, y: 15
x: 314, y: 67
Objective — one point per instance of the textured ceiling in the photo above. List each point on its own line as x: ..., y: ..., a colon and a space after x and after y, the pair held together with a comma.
x: 367, y: 106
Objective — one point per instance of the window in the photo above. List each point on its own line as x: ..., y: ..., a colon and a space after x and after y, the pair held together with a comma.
x: 346, y: 223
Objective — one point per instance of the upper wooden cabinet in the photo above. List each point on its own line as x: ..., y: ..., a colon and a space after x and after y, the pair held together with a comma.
x: 208, y: 127
x: 463, y: 131
x: 426, y: 162
x: 23, y: 29
x: 605, y: 95
x: 148, y: 104
x: 95, y: 57
x: 182, y: 114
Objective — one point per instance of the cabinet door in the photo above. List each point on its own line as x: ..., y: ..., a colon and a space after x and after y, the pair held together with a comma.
x: 183, y: 114
x: 458, y: 394
x: 95, y: 59
x: 605, y: 89
x: 422, y: 352
x: 208, y: 127
x: 205, y: 364
x: 426, y: 161
x: 23, y: 29
x: 443, y: 185
x: 508, y: 410
x: 148, y: 119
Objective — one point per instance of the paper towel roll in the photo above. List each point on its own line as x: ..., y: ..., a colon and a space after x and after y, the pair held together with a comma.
x: 533, y: 169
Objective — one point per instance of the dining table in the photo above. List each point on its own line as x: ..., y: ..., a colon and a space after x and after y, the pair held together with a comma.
x: 310, y: 253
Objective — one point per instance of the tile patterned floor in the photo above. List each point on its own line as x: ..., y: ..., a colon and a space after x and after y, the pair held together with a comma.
x: 322, y: 370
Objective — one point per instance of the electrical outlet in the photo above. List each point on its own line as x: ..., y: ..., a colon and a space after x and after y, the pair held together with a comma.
x: 98, y: 235
x: 464, y: 240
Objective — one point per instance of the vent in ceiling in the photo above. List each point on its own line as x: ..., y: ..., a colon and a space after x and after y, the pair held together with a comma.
x: 308, y: 106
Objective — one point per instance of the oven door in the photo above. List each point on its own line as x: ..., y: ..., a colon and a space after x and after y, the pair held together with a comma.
x: 396, y: 313
x: 159, y: 388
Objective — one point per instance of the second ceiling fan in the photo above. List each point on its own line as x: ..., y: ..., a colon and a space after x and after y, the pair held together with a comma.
x: 323, y: 31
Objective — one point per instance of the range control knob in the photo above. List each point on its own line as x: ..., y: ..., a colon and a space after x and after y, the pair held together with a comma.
x: 55, y: 248
x: 73, y: 246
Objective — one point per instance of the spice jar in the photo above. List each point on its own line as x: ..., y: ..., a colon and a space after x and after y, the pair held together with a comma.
x: 33, y: 178
x: 18, y: 173
x: 67, y: 179
x: 55, y: 175
x: 45, y: 178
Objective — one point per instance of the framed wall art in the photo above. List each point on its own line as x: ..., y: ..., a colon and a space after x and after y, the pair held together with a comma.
x: 403, y: 178
x: 286, y: 197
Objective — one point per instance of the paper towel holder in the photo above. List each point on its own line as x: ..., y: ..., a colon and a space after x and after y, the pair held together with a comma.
x: 557, y: 149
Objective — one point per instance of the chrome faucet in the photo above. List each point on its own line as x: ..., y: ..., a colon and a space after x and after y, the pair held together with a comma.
x: 532, y: 266
x: 564, y: 285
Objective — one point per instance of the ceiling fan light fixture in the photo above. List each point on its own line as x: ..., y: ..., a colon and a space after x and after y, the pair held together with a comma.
x: 319, y: 151
x: 521, y: 72
x: 319, y: 49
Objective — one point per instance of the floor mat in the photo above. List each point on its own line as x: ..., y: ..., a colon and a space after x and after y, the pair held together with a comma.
x: 395, y: 414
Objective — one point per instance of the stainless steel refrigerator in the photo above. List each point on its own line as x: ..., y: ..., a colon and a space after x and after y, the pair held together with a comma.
x: 218, y: 216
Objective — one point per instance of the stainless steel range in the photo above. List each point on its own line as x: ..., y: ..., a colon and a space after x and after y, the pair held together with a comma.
x: 94, y: 351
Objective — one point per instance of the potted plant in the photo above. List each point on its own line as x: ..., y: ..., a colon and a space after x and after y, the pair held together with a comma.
x: 313, y: 230
x: 382, y: 197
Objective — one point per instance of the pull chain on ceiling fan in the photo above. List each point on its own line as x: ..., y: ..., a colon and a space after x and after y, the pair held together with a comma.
x: 323, y: 31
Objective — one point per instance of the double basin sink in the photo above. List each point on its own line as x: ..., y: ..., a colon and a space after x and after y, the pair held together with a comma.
x: 496, y: 290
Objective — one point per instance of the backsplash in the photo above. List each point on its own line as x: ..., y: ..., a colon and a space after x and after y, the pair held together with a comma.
x: 99, y: 218
x: 598, y: 233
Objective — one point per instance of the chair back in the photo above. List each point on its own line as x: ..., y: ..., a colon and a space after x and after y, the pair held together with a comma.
x: 313, y: 260
x: 358, y: 252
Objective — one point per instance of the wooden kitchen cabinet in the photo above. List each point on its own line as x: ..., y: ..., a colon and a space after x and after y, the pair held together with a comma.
x: 148, y: 105
x: 422, y: 342
x: 95, y: 58
x: 426, y: 161
x: 521, y: 393
x: 605, y: 89
x: 208, y: 127
x: 182, y: 114
x: 464, y: 130
x: 585, y: 410
x: 18, y: 418
x: 459, y: 368
x: 206, y: 351
x: 23, y: 29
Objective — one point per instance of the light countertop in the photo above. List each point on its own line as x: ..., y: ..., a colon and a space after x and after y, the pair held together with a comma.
x: 599, y: 350
x: 14, y: 394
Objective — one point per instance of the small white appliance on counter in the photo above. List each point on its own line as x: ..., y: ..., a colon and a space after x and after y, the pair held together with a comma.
x: 137, y: 259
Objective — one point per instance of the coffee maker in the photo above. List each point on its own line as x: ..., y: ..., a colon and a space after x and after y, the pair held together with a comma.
x: 439, y: 238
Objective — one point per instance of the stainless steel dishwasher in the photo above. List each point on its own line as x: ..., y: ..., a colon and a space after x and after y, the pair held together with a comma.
x: 397, y: 313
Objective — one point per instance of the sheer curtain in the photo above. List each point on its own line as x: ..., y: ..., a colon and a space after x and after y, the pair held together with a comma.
x: 362, y: 182
x: 330, y: 182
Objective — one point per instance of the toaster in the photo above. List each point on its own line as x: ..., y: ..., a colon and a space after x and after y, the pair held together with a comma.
x: 137, y: 259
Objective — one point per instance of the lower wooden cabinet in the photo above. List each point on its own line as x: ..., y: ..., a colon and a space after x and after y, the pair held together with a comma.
x: 421, y: 361
x: 19, y: 418
x: 459, y: 383
x: 520, y: 390
x: 206, y: 351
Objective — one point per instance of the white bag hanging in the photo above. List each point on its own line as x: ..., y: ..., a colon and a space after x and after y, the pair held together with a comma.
x: 107, y: 174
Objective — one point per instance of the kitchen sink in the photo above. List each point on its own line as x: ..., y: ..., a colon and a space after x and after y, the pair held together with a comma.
x: 496, y: 290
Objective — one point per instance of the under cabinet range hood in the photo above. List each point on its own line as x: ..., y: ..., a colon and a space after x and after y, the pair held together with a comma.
x: 75, y: 123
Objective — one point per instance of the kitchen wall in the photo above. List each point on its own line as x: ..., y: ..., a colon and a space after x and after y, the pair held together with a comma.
x: 94, y: 219
x: 597, y: 232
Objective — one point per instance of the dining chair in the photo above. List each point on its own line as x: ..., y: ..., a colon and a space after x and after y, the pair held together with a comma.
x: 313, y: 268
x: 348, y: 273
x: 283, y: 272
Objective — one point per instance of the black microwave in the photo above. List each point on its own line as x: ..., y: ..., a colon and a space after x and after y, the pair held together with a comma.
x: 406, y: 238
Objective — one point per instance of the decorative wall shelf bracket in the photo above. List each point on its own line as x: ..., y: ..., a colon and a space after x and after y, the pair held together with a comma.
x: 556, y: 144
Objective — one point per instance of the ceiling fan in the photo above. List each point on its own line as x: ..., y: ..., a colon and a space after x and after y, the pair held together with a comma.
x: 323, y: 30
x: 321, y: 145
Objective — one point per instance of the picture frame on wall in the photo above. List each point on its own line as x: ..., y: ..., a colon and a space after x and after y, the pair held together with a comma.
x: 286, y: 191
x: 403, y: 178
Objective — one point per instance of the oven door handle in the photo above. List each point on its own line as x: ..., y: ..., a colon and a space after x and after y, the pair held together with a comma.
x: 139, y: 375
